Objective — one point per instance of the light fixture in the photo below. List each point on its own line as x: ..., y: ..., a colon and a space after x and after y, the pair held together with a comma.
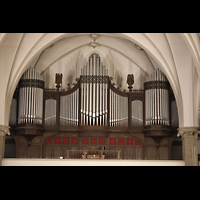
x: 94, y: 36
x: 94, y: 44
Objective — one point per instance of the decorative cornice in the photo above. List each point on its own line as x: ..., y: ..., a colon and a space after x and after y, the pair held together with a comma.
x: 156, y: 85
x: 94, y: 79
x: 31, y: 83
x: 188, y: 131
x: 4, y: 129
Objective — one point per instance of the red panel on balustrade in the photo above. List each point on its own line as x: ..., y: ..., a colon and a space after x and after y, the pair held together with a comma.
x: 93, y: 140
x: 57, y: 140
x: 65, y: 140
x: 101, y: 140
x: 49, y: 141
x: 85, y: 141
x: 137, y: 142
x: 74, y: 141
x: 112, y: 141
x: 121, y: 141
x: 129, y: 141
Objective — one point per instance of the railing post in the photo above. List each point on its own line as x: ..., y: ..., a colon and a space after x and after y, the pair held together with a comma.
x: 67, y: 154
x: 101, y: 154
x: 118, y: 156
x: 129, y: 110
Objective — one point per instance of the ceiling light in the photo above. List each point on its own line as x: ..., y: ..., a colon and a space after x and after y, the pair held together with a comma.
x: 94, y: 44
x: 94, y: 36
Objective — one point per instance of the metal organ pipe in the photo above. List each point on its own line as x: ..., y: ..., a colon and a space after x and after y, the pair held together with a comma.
x: 31, y: 98
x: 94, y: 82
x: 157, y: 99
x: 69, y: 105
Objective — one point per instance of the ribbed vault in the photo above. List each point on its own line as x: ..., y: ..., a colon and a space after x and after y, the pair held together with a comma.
x: 177, y: 55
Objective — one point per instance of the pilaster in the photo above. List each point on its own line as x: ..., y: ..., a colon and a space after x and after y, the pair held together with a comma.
x: 3, y: 131
x: 189, y: 145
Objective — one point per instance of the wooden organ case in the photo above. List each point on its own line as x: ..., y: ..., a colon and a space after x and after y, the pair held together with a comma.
x: 93, y: 117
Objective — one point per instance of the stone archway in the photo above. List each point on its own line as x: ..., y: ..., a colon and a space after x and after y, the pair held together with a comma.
x: 18, y: 51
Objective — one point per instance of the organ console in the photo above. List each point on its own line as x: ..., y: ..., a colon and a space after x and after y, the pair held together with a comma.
x: 94, y: 107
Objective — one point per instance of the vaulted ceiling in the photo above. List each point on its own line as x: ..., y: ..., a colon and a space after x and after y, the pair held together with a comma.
x: 116, y: 52
x: 176, y: 54
x: 104, y: 43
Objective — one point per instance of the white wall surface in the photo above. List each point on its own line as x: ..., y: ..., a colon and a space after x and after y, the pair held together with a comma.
x: 85, y: 162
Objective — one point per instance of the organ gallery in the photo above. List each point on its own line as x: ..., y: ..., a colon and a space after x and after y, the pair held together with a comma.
x: 94, y: 116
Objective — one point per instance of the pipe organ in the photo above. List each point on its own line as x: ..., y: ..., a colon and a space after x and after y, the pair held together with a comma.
x: 118, y: 109
x: 94, y: 86
x: 137, y: 113
x: 69, y: 113
x: 157, y: 99
x: 50, y: 112
x: 31, y: 88
x: 93, y: 114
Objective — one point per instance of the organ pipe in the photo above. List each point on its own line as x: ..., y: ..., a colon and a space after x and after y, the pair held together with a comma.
x: 94, y: 101
x: 118, y: 110
x: 50, y: 112
x: 31, y: 88
x: 157, y: 99
x: 69, y: 109
x: 137, y: 113
x: 94, y: 81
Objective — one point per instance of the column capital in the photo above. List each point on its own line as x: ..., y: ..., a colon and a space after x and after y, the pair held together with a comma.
x: 188, y: 131
x: 4, y: 130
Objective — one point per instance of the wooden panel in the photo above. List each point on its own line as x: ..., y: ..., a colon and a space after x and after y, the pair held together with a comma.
x: 75, y: 154
x: 57, y: 151
x: 122, y: 153
x: 151, y: 153
x: 35, y: 151
x: 150, y: 149
x: 111, y: 155
x: 48, y: 151
x: 139, y: 153
x: 23, y: 151
x: 164, y: 149
x: 129, y: 152
x: 163, y: 153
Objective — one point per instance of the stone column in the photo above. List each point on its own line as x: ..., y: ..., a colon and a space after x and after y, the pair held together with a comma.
x: 3, y: 131
x: 189, y: 145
